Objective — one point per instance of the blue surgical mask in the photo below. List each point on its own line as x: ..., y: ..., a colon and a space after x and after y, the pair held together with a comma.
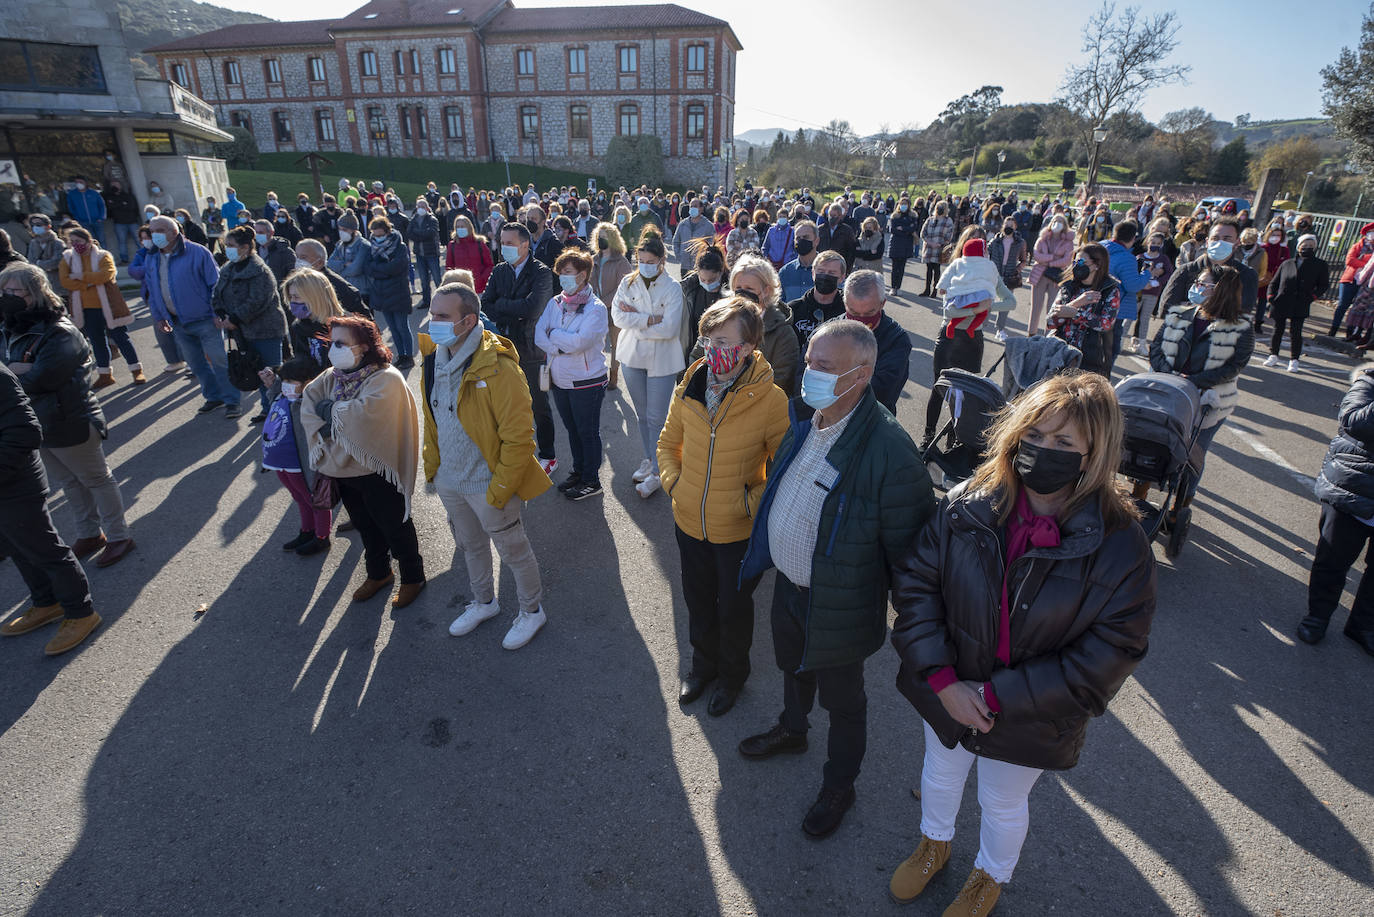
x: 511, y: 253
x: 461, y: 232
x: 643, y: 208
x: 1197, y: 295
x: 442, y: 333
x: 232, y: 253
x: 261, y: 237
x: 818, y: 388
x: 160, y: 239
x: 568, y: 282
x: 1219, y: 250
x: 648, y: 271
x: 710, y: 287
x: 694, y: 212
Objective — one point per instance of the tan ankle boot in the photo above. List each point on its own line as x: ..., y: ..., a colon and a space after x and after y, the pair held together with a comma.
x: 371, y: 587
x: 35, y: 617
x: 104, y: 380
x: 976, y: 898
x: 912, y: 877
x: 71, y: 633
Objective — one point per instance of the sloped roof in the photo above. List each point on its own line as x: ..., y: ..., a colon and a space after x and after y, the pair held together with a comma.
x: 254, y: 35
x: 393, y: 14
x: 584, y: 18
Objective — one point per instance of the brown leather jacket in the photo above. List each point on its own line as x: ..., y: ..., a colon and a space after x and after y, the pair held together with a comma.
x: 1080, y: 623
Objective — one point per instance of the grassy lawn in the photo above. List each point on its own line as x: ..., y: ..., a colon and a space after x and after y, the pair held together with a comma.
x: 278, y: 172
x: 1050, y: 176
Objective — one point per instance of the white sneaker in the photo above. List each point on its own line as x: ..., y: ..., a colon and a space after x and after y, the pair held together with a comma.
x: 1273, y: 360
x: 1001, y: 335
x: 549, y: 465
x: 526, y: 625
x: 1293, y: 366
x: 174, y: 367
x: 647, y: 487
x: 475, y: 613
x: 646, y: 468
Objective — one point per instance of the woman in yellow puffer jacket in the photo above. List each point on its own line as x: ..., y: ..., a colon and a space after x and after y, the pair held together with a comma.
x: 725, y: 422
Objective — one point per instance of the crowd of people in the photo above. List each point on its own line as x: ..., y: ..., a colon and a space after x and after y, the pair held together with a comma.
x: 764, y: 382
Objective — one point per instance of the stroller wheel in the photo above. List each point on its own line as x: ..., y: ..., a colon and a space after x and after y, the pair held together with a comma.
x: 1178, y: 533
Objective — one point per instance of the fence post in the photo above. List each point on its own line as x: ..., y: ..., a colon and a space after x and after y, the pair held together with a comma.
x: 1269, y: 185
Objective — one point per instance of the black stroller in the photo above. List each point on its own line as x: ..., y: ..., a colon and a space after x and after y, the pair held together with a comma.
x: 1163, y: 416
x: 972, y: 401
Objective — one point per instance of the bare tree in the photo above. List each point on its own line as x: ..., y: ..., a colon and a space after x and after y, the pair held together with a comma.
x: 1126, y: 54
x: 1188, y: 135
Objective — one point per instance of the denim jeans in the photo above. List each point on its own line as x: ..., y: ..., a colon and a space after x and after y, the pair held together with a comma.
x: 167, y: 343
x: 125, y: 232
x: 202, y: 346
x: 97, y: 331
x: 1204, y: 442
x: 401, y: 337
x: 580, y: 409
x: 431, y: 273
x: 651, y: 396
x: 1343, y: 300
x: 270, y: 351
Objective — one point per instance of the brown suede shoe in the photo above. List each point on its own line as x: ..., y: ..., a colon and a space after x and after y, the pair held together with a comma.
x: 912, y: 877
x: 114, y: 552
x: 407, y: 593
x: 85, y: 546
x: 32, y: 619
x: 139, y: 378
x: 105, y: 380
x: 976, y: 898
x: 371, y: 587
x: 72, y: 632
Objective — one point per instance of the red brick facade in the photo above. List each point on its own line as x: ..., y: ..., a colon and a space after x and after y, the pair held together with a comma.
x: 427, y: 79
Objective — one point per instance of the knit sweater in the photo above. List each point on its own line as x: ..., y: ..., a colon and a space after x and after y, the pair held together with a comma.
x: 462, y: 468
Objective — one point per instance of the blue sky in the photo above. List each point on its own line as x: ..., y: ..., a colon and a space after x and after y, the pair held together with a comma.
x: 897, y: 62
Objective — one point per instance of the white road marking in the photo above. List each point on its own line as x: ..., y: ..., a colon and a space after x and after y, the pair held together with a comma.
x: 1260, y: 449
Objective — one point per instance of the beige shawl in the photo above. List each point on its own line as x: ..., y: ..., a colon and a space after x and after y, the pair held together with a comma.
x: 375, y: 432
x: 116, y: 311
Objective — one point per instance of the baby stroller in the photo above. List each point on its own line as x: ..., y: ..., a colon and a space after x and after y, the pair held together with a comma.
x: 972, y: 401
x: 1163, y: 416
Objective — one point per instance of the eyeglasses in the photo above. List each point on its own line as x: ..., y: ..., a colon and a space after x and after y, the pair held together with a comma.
x: 14, y: 291
x: 705, y: 343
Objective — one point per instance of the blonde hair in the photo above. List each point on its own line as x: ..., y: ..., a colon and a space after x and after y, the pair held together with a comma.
x: 826, y: 257
x: 760, y: 269
x: 315, y: 290
x: 615, y: 242
x: 1089, y: 401
x: 459, y: 275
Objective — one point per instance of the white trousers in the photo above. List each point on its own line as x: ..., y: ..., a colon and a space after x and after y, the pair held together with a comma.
x: 1002, y: 793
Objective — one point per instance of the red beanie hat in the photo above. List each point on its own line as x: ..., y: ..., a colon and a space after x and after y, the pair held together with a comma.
x: 974, y: 248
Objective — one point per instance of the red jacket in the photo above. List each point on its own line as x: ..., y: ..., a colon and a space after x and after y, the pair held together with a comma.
x: 474, y: 256
x: 1357, y: 256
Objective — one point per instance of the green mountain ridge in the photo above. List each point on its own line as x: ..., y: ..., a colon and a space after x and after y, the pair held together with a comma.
x: 147, y: 23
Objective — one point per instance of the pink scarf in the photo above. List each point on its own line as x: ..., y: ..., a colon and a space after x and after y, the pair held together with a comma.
x: 1025, y: 530
x: 571, y: 302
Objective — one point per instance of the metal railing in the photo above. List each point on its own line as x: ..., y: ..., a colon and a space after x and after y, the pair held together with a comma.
x: 1332, y: 246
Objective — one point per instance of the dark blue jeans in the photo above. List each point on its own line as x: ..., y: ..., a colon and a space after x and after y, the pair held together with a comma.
x: 1343, y: 300
x: 580, y: 409
x: 1204, y: 441
x: 97, y: 331
x: 401, y: 337
x: 431, y: 273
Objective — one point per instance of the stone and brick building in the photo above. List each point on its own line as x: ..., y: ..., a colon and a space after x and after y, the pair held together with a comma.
x: 476, y: 80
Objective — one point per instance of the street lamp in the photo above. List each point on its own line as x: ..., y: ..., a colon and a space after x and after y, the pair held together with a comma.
x: 1099, y: 135
x: 1304, y: 189
x: 1001, y: 158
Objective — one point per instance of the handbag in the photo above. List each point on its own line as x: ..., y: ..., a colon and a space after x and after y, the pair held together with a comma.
x: 544, y: 379
x: 1054, y: 274
x: 325, y: 495
x: 244, y: 364
x: 947, y: 254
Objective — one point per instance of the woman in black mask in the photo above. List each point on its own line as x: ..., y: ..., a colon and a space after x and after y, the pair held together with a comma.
x: 1084, y: 312
x: 1042, y: 531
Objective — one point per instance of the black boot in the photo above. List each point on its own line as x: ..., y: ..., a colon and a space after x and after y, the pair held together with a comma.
x: 827, y: 812
x: 1365, y: 638
x: 1311, y: 629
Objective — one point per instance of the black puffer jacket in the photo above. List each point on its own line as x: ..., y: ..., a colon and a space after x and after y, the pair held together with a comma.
x: 1347, y: 478
x: 1080, y: 621
x: 21, y: 470
x: 58, y: 382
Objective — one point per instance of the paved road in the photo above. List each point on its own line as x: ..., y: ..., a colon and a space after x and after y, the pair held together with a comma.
x: 287, y: 753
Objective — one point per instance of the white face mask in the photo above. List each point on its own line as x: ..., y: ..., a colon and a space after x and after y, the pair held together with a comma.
x: 648, y: 271
x: 342, y: 357
x: 345, y: 235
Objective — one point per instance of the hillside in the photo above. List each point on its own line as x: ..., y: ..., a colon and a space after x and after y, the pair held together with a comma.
x: 147, y: 23
x: 1262, y: 133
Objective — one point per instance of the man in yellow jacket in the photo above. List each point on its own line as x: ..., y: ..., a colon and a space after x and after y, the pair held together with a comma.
x: 479, y: 454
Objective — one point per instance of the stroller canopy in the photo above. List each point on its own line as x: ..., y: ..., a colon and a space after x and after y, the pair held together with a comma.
x: 1161, y: 408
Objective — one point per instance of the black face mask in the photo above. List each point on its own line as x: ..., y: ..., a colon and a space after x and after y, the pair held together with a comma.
x: 1081, y: 270
x: 825, y: 284
x: 534, y: 228
x: 11, y: 305
x: 1045, y: 470
x: 804, y: 246
x: 602, y: 245
x: 748, y: 294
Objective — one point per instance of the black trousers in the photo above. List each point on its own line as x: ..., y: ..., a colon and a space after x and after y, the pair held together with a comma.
x: 898, y: 272
x: 49, y: 568
x: 376, y: 508
x: 959, y: 352
x: 1294, y: 343
x: 720, y: 612
x: 841, y: 688
x: 1340, y: 542
x: 543, y: 414
x: 932, y: 276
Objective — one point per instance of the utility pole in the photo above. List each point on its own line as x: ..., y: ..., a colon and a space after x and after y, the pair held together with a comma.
x: 315, y: 160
